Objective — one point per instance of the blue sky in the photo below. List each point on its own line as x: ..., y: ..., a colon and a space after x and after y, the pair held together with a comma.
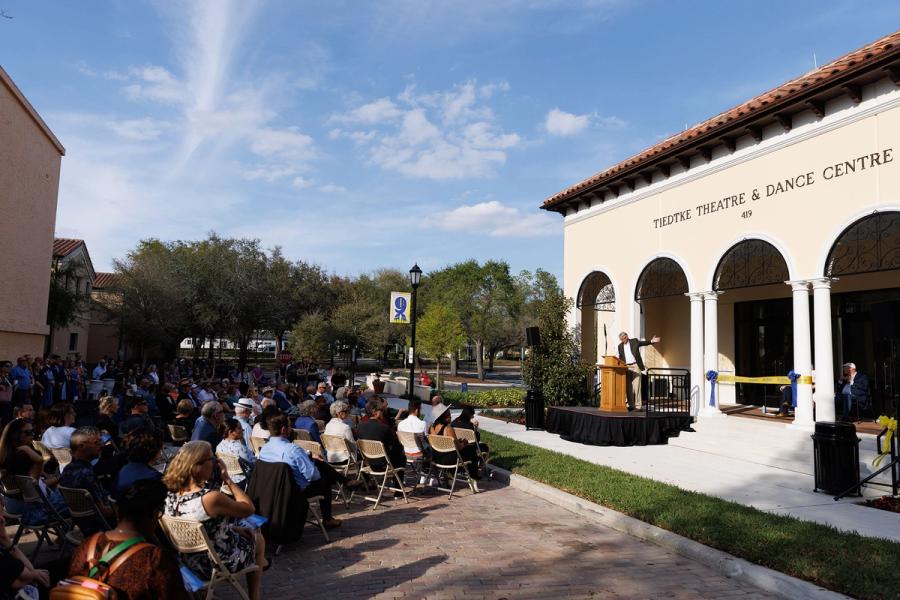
x: 361, y: 135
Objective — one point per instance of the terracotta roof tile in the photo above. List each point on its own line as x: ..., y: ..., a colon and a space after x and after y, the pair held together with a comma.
x: 65, y: 246
x: 104, y: 281
x: 857, y: 59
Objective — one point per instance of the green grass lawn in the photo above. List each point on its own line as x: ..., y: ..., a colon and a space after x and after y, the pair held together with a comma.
x: 844, y: 562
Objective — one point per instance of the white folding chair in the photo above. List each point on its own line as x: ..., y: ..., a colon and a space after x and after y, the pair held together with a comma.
x: 415, y: 462
x: 54, y: 523
x: 444, y: 447
x: 484, y: 457
x: 188, y: 537
x: 257, y: 443
x: 63, y: 456
x: 373, y: 454
x: 302, y: 434
x: 81, y: 505
x: 178, y: 434
x: 335, y: 444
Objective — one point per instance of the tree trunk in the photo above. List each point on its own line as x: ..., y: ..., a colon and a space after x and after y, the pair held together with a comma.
x: 384, y: 356
x: 454, y: 360
x: 437, y: 373
x: 279, y: 343
x: 491, y: 353
x: 198, y: 346
x: 243, y: 343
x: 479, y: 358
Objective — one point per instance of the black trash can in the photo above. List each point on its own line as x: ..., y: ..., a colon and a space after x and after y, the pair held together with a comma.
x: 534, y: 410
x: 836, y: 457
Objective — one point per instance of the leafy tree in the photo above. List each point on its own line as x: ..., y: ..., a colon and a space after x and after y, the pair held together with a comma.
x: 312, y: 336
x: 484, y: 296
x: 440, y: 332
x: 555, y: 368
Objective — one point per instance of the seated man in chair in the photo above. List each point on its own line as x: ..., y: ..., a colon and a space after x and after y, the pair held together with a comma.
x: 852, y: 388
x: 313, y: 476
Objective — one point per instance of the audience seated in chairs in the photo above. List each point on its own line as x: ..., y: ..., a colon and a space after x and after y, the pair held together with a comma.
x: 142, y: 448
x: 185, y: 416
x: 414, y: 424
x: 469, y: 452
x: 109, y: 406
x: 138, y: 417
x: 307, y: 420
x: 190, y: 497
x: 151, y: 573
x: 338, y: 426
x: 79, y: 474
x: 16, y: 571
x: 312, y: 474
x: 261, y: 427
x: 208, y: 426
x: 62, y: 416
x: 233, y: 444
x: 442, y: 426
x: 380, y: 429
x: 18, y: 457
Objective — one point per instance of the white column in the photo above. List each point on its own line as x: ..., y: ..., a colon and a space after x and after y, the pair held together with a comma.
x: 698, y: 375
x: 711, y: 351
x: 803, y: 413
x: 824, y: 357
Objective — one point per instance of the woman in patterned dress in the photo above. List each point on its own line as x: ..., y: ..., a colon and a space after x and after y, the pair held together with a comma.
x: 190, y: 498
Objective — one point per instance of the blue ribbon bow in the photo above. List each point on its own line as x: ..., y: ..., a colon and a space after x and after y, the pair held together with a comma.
x: 711, y: 377
x: 793, y: 376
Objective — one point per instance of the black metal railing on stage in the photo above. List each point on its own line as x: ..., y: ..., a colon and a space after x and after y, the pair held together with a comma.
x: 668, y: 391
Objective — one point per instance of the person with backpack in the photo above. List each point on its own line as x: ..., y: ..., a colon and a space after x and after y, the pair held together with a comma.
x: 147, y: 572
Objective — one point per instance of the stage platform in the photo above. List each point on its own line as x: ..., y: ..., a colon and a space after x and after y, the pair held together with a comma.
x: 592, y: 426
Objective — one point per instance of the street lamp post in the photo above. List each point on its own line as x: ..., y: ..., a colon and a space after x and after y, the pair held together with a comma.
x: 415, y: 276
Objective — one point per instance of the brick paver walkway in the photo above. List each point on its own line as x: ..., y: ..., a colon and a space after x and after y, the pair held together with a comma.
x: 502, y: 543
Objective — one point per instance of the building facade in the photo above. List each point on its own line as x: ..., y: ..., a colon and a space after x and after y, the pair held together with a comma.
x: 762, y: 241
x: 74, y: 271
x: 30, y: 157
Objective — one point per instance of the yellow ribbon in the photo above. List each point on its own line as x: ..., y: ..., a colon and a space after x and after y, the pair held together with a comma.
x: 773, y: 380
x: 891, y: 426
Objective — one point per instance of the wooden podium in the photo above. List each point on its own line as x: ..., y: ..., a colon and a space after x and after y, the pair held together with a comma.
x: 613, y: 379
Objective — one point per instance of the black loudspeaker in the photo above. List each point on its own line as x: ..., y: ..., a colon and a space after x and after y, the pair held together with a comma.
x: 532, y: 336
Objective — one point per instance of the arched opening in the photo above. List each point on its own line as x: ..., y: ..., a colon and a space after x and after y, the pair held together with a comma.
x: 756, y: 336
x: 865, y: 305
x: 596, y: 303
x: 660, y: 292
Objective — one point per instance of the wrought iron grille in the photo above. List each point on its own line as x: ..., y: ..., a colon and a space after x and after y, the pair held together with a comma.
x: 668, y: 391
x: 605, y: 297
x: 662, y: 277
x: 869, y: 245
x: 750, y: 263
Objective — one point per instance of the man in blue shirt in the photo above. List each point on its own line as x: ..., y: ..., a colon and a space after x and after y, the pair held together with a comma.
x: 313, y: 476
x: 22, y: 381
x: 85, y: 446
x: 209, y: 425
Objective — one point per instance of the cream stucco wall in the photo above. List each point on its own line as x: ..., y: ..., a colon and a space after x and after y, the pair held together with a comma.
x: 619, y: 236
x: 29, y: 181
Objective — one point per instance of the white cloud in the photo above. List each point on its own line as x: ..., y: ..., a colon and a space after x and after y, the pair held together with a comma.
x: 565, y: 124
x: 441, y: 135
x: 139, y: 129
x: 496, y: 219
x: 331, y: 188
x: 268, y: 173
x: 155, y: 83
x: 285, y: 144
x: 562, y: 123
x: 375, y: 112
x: 301, y: 183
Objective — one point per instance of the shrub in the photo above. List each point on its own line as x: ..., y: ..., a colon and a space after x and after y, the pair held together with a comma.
x: 502, y: 397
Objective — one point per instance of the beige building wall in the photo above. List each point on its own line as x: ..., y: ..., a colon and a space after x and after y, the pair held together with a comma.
x: 619, y: 237
x: 29, y: 182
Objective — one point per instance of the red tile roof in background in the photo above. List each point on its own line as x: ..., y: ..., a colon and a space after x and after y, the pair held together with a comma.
x: 65, y: 246
x: 854, y: 61
x: 104, y: 281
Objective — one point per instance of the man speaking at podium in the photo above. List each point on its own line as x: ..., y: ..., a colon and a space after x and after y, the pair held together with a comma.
x: 630, y: 354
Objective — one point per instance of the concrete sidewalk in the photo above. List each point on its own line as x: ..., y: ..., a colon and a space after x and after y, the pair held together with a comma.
x: 758, y: 464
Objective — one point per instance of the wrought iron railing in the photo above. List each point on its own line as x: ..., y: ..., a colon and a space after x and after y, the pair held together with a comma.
x: 668, y: 391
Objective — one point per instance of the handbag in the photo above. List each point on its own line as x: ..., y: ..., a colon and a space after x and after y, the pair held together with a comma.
x: 94, y: 586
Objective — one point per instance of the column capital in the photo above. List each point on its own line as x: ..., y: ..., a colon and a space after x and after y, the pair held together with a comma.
x: 695, y: 296
x: 822, y: 283
x: 711, y: 295
x: 799, y: 285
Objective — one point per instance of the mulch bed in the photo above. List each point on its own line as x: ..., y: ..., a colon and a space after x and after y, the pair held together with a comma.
x: 888, y: 503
